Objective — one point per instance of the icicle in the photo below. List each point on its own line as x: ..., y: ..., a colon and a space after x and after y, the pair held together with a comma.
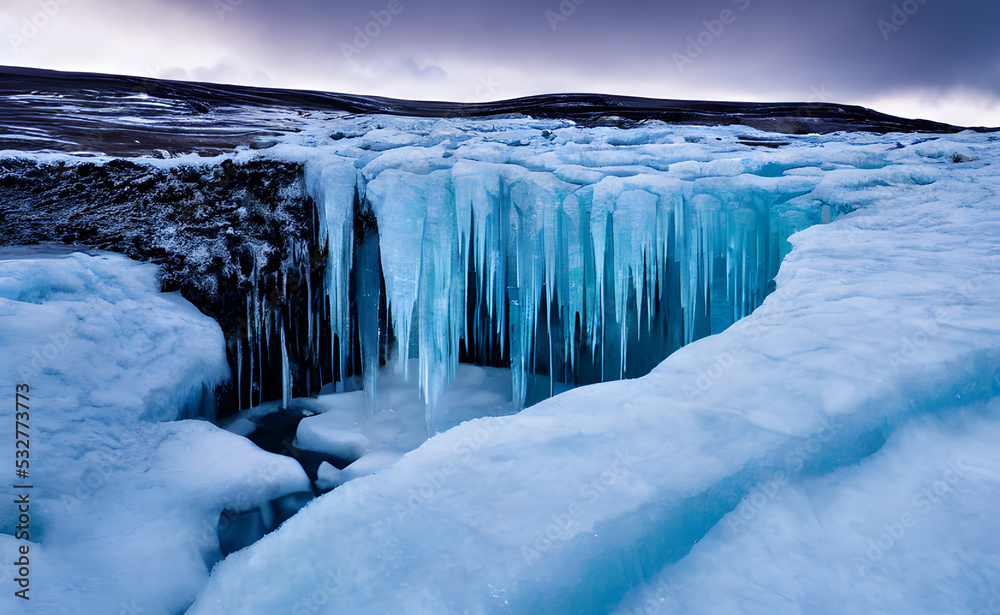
x: 334, y: 184
x: 251, y: 345
x: 239, y: 372
x: 369, y: 296
x: 286, y: 374
x: 309, y: 304
x: 688, y: 257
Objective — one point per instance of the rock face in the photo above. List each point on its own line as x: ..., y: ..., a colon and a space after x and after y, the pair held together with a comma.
x: 224, y: 236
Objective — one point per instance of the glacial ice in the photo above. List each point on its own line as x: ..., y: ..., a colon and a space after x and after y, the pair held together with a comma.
x: 880, y: 336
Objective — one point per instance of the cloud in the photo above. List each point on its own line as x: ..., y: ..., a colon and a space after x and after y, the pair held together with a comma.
x: 423, y: 70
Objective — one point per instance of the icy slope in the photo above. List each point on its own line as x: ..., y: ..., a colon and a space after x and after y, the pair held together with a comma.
x: 911, y: 529
x: 124, y: 509
x: 885, y: 314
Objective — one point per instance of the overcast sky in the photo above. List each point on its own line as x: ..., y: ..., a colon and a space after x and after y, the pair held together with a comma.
x: 937, y: 59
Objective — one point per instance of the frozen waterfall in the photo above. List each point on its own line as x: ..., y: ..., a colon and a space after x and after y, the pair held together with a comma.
x: 583, y: 266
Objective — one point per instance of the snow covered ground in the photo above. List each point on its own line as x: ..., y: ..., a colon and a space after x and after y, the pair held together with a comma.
x: 124, y: 507
x: 863, y: 381
x: 911, y: 529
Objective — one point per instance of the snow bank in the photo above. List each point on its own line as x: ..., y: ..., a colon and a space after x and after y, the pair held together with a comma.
x: 124, y: 510
x: 910, y: 529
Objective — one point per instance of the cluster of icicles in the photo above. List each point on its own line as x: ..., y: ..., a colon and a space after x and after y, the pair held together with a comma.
x: 562, y: 282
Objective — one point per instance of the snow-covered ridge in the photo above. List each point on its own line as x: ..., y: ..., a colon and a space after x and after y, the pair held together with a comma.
x: 130, y: 116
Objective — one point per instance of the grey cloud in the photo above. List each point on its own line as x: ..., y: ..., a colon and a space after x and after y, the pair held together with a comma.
x: 777, y: 47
